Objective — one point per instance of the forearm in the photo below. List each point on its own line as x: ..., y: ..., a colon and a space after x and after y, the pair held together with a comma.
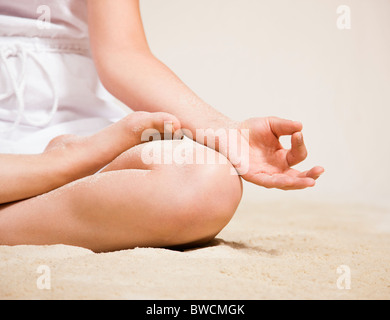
x: 68, y: 158
x: 142, y: 82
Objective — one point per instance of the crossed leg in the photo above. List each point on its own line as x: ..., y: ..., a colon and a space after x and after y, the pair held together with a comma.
x: 130, y: 204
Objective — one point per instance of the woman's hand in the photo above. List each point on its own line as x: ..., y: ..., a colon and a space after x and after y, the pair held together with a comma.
x: 141, y: 81
x: 269, y: 164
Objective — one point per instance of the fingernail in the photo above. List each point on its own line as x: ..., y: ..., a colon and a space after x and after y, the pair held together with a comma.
x: 300, y: 138
x: 298, y: 123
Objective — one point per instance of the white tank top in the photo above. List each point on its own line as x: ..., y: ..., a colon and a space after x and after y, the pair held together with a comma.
x: 44, y: 19
x: 48, y: 81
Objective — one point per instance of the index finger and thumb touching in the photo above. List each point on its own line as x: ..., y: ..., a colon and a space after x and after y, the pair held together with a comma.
x: 283, y: 127
x: 298, y: 151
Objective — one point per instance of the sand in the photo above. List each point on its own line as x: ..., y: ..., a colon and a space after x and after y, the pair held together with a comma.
x: 268, y: 251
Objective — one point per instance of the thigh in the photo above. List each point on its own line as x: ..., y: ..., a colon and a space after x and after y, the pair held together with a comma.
x: 156, y: 205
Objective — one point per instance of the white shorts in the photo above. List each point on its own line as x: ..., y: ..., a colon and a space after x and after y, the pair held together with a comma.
x: 49, y: 87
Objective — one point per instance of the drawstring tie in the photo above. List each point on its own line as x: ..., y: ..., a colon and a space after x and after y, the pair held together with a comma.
x: 18, y: 85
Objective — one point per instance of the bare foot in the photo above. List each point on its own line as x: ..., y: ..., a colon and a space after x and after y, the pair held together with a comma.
x: 82, y: 156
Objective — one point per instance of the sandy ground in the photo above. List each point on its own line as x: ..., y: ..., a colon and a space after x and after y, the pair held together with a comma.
x: 268, y: 251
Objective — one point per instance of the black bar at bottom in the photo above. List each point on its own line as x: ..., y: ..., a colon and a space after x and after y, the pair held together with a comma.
x: 194, y: 309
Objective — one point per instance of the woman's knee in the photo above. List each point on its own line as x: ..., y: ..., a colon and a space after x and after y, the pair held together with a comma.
x: 207, y: 188
x: 211, y: 183
x: 209, y: 197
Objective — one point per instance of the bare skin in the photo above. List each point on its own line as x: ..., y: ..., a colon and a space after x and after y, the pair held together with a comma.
x: 67, y: 159
x: 56, y: 197
x: 142, y: 82
x: 128, y: 204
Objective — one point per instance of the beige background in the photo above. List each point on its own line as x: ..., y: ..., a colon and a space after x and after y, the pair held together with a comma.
x: 258, y: 58
x: 288, y: 58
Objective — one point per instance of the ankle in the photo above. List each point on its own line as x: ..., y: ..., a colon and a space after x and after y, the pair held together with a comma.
x: 72, y: 158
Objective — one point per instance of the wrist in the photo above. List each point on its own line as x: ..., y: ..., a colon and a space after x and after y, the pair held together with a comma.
x: 218, y: 135
x: 237, y: 148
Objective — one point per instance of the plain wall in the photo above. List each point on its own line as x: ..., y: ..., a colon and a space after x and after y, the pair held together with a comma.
x: 288, y: 58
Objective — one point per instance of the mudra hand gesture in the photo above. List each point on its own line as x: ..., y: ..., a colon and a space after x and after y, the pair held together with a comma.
x: 269, y: 164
